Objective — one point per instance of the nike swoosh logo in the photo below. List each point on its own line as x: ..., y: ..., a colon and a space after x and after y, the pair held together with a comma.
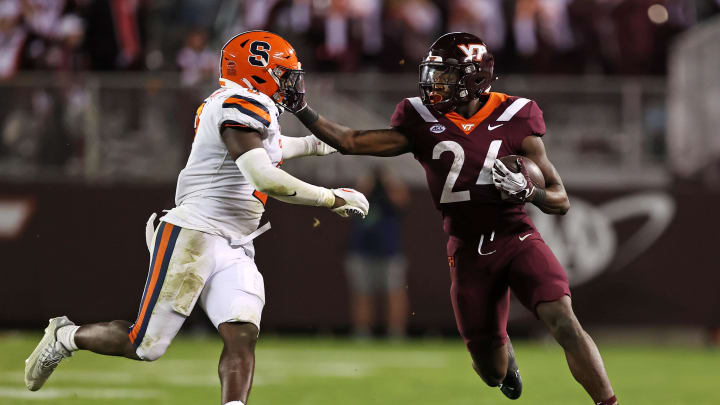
x: 522, y: 238
x: 292, y: 195
x: 491, y: 127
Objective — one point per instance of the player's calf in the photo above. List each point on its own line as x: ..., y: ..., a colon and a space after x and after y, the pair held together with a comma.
x: 561, y: 322
x: 237, y: 361
x: 582, y: 355
x: 490, y: 360
x: 108, y: 338
x: 490, y: 375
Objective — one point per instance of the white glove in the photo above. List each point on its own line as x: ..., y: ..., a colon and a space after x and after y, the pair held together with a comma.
x: 355, y: 202
x: 320, y: 148
x: 514, y: 184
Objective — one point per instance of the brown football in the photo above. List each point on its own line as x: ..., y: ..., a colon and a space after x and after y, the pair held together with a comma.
x: 510, y: 161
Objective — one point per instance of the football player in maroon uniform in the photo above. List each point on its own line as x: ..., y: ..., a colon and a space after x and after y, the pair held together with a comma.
x: 457, y: 129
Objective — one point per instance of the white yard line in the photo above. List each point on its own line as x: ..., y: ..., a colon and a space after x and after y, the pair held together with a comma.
x: 274, y: 366
x: 92, y: 393
x: 167, y: 376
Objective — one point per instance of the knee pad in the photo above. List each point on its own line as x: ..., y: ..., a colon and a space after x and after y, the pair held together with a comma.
x: 151, y: 350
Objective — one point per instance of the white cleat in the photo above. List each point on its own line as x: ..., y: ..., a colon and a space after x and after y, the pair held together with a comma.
x: 46, y: 356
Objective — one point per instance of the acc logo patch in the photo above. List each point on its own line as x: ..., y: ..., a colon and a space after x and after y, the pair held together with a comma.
x: 437, y: 128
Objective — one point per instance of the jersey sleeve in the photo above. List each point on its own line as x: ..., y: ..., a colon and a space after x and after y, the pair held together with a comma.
x: 535, y: 120
x: 239, y: 111
x: 533, y: 124
x: 399, y: 116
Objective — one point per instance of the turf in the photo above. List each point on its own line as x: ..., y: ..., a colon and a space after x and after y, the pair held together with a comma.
x: 336, y: 371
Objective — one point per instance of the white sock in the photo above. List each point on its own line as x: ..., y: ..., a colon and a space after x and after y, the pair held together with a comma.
x: 234, y: 403
x: 66, y: 337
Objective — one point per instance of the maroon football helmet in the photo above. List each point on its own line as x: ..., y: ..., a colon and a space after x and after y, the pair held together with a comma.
x: 458, y: 68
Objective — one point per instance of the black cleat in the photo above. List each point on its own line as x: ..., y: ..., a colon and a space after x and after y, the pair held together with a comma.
x: 511, y: 386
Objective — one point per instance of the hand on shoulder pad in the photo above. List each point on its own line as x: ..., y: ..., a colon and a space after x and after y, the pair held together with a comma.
x: 355, y: 202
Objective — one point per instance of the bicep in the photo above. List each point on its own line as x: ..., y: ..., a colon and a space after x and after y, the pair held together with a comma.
x: 533, y: 148
x: 240, y: 140
x: 379, y: 142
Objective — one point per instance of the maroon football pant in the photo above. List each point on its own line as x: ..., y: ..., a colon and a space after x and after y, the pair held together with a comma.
x: 482, y: 275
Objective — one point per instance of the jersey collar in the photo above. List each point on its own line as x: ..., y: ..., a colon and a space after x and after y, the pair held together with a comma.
x: 467, y: 125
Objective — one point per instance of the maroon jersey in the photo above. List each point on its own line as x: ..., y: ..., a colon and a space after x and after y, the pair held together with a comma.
x: 458, y: 155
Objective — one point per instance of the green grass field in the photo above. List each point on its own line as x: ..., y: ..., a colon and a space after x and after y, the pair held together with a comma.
x: 335, y: 371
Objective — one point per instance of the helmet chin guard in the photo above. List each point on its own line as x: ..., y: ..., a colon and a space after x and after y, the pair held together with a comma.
x: 458, y: 68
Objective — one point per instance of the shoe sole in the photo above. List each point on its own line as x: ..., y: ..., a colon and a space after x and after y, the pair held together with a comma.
x: 31, y: 361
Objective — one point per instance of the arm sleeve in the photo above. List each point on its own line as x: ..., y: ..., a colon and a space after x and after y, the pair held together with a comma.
x: 256, y: 166
x: 296, y: 146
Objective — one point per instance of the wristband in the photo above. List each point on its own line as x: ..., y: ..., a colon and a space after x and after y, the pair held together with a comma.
x: 539, y: 196
x: 307, y: 115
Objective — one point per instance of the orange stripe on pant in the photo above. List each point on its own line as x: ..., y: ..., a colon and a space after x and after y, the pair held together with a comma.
x: 157, y: 265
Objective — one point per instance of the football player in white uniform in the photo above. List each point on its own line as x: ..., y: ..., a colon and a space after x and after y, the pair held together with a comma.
x: 202, y: 249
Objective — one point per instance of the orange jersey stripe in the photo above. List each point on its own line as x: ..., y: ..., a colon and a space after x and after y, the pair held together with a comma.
x: 469, y: 124
x: 260, y: 196
x: 250, y: 106
x: 157, y: 265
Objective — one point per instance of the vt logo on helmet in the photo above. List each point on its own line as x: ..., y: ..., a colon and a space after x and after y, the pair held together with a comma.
x: 265, y: 62
x: 458, y: 68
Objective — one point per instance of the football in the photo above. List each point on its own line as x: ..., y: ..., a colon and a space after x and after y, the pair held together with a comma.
x: 510, y: 161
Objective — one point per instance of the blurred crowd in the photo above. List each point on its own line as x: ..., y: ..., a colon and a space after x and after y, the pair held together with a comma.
x: 527, y: 36
x: 70, y: 35
x: 120, y: 117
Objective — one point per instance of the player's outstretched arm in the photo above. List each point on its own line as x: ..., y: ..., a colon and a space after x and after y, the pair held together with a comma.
x: 246, y: 148
x: 554, y: 199
x: 348, y: 141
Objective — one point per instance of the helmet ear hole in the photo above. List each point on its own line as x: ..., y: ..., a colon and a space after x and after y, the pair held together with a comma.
x: 258, y: 79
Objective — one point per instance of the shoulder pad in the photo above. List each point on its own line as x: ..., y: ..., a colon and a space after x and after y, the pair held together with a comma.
x: 248, y: 106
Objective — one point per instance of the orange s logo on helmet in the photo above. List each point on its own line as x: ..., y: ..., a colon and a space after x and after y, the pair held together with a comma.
x: 262, y: 61
x: 259, y: 56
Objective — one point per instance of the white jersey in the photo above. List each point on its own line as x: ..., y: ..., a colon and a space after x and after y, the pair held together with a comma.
x: 212, y: 194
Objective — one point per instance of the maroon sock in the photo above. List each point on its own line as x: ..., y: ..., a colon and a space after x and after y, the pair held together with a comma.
x: 610, y: 401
